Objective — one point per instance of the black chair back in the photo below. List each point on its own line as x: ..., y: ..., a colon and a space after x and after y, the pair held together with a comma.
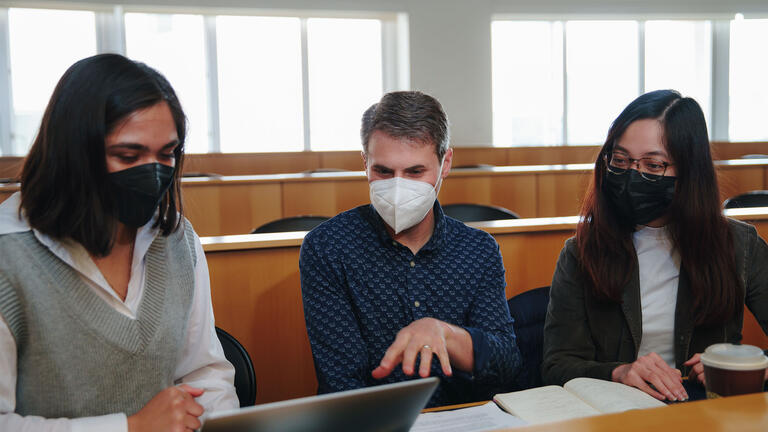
x: 757, y: 198
x: 245, y: 377
x: 477, y: 212
x: 296, y: 223
x: 529, y: 310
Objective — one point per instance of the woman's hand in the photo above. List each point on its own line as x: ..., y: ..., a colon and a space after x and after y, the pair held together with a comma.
x: 172, y: 410
x: 697, y: 368
x: 650, y: 370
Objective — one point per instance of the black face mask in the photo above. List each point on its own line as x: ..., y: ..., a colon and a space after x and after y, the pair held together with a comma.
x: 138, y: 191
x: 636, y: 199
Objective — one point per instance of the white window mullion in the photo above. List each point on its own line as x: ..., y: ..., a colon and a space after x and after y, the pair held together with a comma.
x: 212, y: 81
x: 721, y: 44
x: 110, y: 31
x: 305, y: 83
x: 565, y: 84
x: 6, y: 104
x: 640, y: 57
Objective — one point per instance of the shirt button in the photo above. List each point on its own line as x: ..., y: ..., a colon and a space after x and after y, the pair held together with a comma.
x: 394, y: 243
x: 413, y: 264
x: 416, y: 303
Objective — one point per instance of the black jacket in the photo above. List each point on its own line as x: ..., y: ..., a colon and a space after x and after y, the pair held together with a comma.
x: 587, y: 337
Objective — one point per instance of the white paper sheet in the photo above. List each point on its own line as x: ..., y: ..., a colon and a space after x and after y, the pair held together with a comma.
x: 474, y: 419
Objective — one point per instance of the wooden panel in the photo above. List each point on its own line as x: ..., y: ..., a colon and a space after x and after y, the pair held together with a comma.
x: 257, y: 298
x: 513, y: 192
x: 232, y: 209
x: 735, y: 180
x: 467, y: 156
x: 735, y: 150
x: 323, y: 198
x: 251, y: 163
x: 560, y: 194
x: 10, y: 166
x: 551, y: 155
x: 530, y: 259
x: 347, y: 160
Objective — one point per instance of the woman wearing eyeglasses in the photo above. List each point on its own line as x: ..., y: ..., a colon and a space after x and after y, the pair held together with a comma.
x: 655, y: 273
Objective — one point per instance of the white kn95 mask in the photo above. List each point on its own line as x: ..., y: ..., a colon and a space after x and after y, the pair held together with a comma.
x: 401, y: 202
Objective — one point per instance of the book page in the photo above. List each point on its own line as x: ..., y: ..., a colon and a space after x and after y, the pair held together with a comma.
x: 609, y: 396
x: 487, y: 417
x: 544, y: 404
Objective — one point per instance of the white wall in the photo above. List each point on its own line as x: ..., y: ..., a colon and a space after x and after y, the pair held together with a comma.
x: 450, y: 51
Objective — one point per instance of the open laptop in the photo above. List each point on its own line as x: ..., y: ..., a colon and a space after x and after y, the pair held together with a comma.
x: 389, y: 407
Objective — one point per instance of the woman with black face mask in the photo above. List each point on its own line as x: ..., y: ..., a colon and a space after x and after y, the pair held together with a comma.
x: 655, y: 273
x: 105, y: 308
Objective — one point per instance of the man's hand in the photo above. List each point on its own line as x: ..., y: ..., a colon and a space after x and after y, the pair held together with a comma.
x: 650, y: 370
x: 427, y: 337
x: 172, y: 410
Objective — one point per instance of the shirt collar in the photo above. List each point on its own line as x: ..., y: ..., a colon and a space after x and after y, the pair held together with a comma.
x: 435, y: 241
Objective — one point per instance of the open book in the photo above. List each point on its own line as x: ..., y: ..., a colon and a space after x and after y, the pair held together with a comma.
x: 579, y: 397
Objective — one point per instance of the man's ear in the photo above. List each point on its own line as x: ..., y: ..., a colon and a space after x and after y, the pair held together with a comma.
x: 448, y: 159
x: 365, y: 160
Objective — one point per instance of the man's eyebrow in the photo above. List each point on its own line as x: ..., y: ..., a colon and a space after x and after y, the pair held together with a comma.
x: 415, y: 167
x: 382, y: 167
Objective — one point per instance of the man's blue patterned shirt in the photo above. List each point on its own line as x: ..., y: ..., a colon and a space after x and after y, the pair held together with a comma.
x: 360, y: 287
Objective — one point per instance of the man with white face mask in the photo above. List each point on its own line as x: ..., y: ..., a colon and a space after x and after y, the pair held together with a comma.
x: 396, y: 289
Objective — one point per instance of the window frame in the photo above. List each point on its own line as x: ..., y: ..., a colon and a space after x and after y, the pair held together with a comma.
x: 110, y: 38
x: 717, y: 118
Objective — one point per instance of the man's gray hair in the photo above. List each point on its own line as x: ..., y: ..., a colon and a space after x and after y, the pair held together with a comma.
x: 408, y: 114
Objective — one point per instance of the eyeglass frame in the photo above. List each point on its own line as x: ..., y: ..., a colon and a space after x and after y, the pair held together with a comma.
x: 609, y: 155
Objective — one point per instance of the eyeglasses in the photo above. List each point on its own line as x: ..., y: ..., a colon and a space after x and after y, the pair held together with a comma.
x: 651, y: 169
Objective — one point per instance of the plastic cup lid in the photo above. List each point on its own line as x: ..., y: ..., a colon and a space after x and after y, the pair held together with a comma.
x: 734, y: 357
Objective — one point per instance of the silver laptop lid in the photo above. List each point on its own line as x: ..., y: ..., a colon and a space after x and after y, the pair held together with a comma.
x: 389, y: 407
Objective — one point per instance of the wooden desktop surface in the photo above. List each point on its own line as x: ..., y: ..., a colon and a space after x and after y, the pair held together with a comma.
x: 745, y: 413
x: 238, y: 204
x: 256, y: 292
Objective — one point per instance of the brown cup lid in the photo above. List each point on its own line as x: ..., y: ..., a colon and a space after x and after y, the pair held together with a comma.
x: 734, y: 357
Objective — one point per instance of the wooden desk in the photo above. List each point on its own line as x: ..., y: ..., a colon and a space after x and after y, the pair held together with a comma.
x: 737, y: 413
x: 256, y: 292
x: 238, y: 204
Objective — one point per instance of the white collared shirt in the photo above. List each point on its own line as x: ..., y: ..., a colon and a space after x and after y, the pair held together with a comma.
x: 202, y: 363
x: 659, y: 267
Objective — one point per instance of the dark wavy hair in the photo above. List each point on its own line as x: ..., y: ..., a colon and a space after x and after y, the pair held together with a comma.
x: 64, y: 191
x: 696, y: 224
x: 408, y: 114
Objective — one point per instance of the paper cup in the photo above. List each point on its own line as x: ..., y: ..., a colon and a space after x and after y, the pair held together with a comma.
x: 733, y: 369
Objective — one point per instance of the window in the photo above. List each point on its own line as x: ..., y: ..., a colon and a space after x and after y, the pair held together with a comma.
x: 260, y: 84
x: 602, y: 76
x: 247, y: 83
x: 527, y: 110
x: 345, y: 78
x: 678, y: 55
x: 37, y: 62
x: 173, y: 44
x: 748, y: 110
x: 606, y: 64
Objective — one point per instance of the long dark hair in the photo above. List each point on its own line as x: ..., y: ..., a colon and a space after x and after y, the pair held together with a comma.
x: 697, y: 227
x: 64, y: 191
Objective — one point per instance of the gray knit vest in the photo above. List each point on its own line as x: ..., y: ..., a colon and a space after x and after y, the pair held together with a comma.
x: 77, y: 356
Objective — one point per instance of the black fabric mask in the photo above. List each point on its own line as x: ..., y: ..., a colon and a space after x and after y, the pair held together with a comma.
x: 636, y: 199
x: 138, y: 191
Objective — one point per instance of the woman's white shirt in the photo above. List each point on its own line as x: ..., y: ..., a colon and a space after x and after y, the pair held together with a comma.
x: 659, y: 267
x: 202, y: 363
